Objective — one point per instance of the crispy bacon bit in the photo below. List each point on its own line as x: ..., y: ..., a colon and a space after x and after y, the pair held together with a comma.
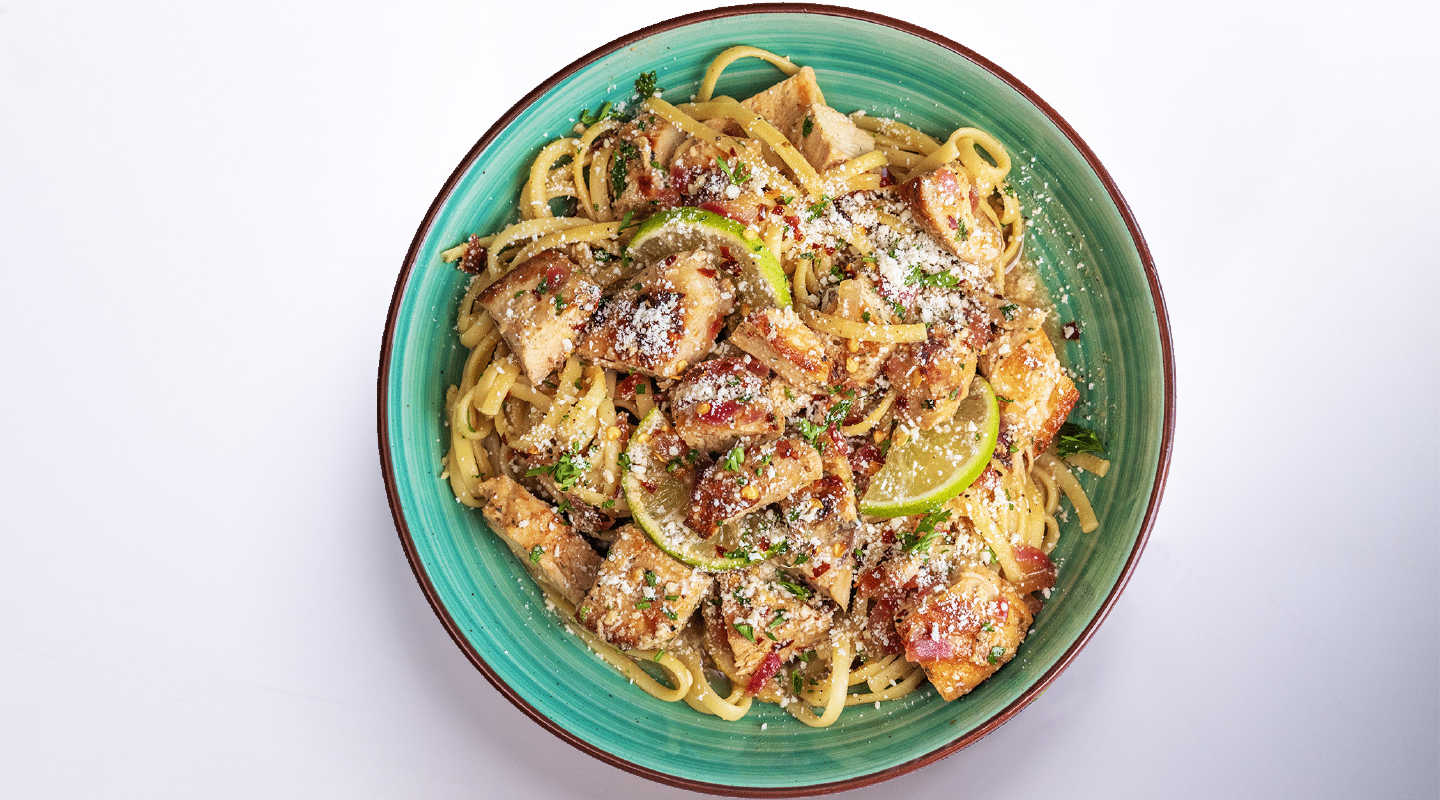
x: 743, y: 213
x: 473, y: 261
x: 1071, y: 331
x: 1039, y: 569
x: 763, y: 673
x: 922, y: 651
x: 886, y: 178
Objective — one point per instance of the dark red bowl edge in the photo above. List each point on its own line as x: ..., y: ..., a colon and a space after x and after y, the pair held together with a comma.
x: 1030, y: 694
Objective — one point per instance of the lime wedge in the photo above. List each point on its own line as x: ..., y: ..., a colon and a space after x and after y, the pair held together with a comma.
x: 659, y: 499
x: 935, y: 465
x: 762, y: 282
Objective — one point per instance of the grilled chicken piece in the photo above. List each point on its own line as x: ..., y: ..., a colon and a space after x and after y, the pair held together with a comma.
x: 786, y: 103
x: 553, y: 552
x: 948, y: 204
x: 699, y: 177
x: 645, y: 148
x: 664, y: 319
x: 541, y: 306
x: 778, y: 338
x: 641, y: 597
x: 946, y: 632
x: 823, y: 518
x: 765, y: 473
x: 828, y: 138
x: 722, y: 399
x: 767, y: 622
x: 1022, y: 367
x: 933, y: 376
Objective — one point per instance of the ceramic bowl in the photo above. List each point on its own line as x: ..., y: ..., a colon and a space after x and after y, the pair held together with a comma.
x: 1087, y: 249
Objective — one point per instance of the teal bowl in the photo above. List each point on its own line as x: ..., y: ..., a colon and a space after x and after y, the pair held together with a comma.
x: 1087, y: 249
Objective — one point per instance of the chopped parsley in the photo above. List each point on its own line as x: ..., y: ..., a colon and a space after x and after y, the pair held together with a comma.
x: 642, y: 604
x: 1008, y: 310
x: 924, y: 534
x: 565, y: 471
x: 650, y: 577
x: 995, y: 654
x: 1077, y: 439
x: 808, y: 126
x: 559, y: 303
x: 645, y: 85
x: 813, y: 212
x: 535, y: 553
x: 919, y: 277
x: 624, y: 152
x: 738, y: 174
x: 625, y: 461
x: 796, y: 589
x: 809, y: 431
x: 606, y: 112
x: 733, y: 459
x: 746, y: 630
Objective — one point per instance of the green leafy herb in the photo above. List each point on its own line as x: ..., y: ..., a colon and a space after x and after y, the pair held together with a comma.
x: 800, y: 559
x: 924, y: 534
x: 963, y: 233
x: 746, y: 630
x: 797, y: 683
x: 1077, y: 439
x: 806, y: 656
x: 796, y: 589
x: 809, y: 431
x: 559, y: 303
x: 779, y: 618
x: 837, y: 413
x: 642, y: 604
x: 988, y: 626
x: 623, y: 153
x: 738, y: 174
x: 865, y: 315
x: 816, y: 209
x: 1008, y: 310
x: 650, y: 577
x: 535, y: 553
x: 625, y: 461
x: 565, y: 471
x: 808, y: 126
x: 606, y: 112
x: 919, y: 277
x: 733, y: 459
x: 671, y: 615
x: 659, y: 654
x: 625, y: 223
x: 645, y: 85
x: 995, y: 654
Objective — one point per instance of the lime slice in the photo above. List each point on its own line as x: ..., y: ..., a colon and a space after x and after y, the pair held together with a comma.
x: 762, y: 281
x: 659, y: 500
x: 935, y: 465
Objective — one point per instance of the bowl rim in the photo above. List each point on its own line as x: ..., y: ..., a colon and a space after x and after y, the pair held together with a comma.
x: 1030, y: 694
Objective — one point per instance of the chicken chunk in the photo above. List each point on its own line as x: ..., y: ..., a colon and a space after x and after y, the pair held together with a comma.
x: 553, y: 552
x: 828, y: 138
x: 768, y: 619
x: 722, y: 399
x: 932, y: 376
x: 541, y: 307
x: 785, y: 104
x: 1022, y: 367
x: 823, y: 519
x: 664, y: 319
x: 778, y: 338
x: 643, y: 151
x: 747, y: 478
x: 962, y: 634
x: 641, y: 597
x: 949, y: 206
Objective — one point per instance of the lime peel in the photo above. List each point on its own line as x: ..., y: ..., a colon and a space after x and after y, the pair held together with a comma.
x: 936, y: 465
x: 762, y: 283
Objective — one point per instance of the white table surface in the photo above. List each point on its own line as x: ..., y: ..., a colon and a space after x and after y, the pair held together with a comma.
x: 203, y: 208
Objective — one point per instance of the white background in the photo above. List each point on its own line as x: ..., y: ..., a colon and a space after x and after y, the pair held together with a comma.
x: 203, y: 209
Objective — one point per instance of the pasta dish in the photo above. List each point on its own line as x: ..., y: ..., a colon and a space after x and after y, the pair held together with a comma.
x: 766, y: 399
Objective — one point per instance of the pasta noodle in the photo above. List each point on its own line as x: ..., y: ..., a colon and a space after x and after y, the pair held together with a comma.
x: 802, y: 600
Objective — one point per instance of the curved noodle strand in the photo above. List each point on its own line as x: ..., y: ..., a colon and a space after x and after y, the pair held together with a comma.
x: 730, y: 56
